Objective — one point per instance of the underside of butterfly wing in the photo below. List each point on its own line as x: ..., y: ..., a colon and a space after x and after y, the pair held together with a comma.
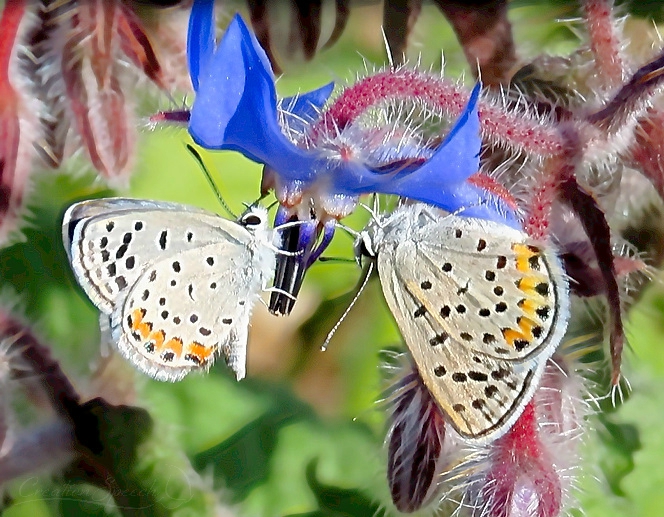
x: 184, y: 310
x: 481, y: 395
x: 179, y: 283
x: 111, y: 242
x: 489, y: 286
x: 480, y: 308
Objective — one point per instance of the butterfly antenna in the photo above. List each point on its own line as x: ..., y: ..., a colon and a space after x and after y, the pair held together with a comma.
x: 344, y: 260
x: 375, y: 203
x: 363, y: 285
x: 374, y: 209
x: 208, y: 176
x: 349, y: 231
x: 258, y: 200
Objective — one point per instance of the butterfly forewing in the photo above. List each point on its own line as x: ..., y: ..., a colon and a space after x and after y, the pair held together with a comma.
x: 110, y: 242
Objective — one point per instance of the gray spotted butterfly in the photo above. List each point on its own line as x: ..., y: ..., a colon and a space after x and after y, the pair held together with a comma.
x: 178, y: 283
x: 481, y: 309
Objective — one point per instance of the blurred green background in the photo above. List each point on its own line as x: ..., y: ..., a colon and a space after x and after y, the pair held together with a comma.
x: 303, y: 434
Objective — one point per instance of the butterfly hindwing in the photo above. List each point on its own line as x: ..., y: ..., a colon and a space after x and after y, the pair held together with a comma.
x: 183, y: 310
x: 506, y: 294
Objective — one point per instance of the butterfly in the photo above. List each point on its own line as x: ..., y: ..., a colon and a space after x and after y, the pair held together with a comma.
x: 480, y: 306
x: 177, y: 283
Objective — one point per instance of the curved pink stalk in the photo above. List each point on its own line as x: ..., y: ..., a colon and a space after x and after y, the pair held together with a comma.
x: 498, y: 124
x: 15, y: 145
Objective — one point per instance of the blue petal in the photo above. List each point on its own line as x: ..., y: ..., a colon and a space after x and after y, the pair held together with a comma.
x: 236, y: 106
x: 305, y: 108
x: 200, y: 38
x: 464, y: 140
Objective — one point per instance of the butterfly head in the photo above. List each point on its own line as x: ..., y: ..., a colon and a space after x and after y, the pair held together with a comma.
x: 255, y: 221
x: 254, y: 218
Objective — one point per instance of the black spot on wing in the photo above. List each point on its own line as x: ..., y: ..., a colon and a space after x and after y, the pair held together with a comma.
x: 439, y: 339
x: 420, y: 311
x: 490, y: 391
x: 121, y: 251
x: 542, y: 289
x: 478, y: 376
x: 121, y: 282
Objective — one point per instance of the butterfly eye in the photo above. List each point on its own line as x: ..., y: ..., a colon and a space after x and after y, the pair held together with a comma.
x: 251, y: 220
x: 364, y: 246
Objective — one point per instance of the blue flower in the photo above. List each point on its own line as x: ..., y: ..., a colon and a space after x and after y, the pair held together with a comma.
x: 236, y: 108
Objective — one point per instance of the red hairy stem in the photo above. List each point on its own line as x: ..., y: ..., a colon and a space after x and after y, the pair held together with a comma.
x: 605, y: 42
x: 522, y: 479
x: 499, y: 125
x: 537, y: 221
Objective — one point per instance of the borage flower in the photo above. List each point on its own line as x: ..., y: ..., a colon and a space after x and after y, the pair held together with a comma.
x: 317, y: 163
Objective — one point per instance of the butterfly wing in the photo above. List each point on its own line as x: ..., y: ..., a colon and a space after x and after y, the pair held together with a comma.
x: 456, y: 345
x: 178, y: 283
x: 184, y: 309
x: 508, y: 295
x: 111, y: 242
